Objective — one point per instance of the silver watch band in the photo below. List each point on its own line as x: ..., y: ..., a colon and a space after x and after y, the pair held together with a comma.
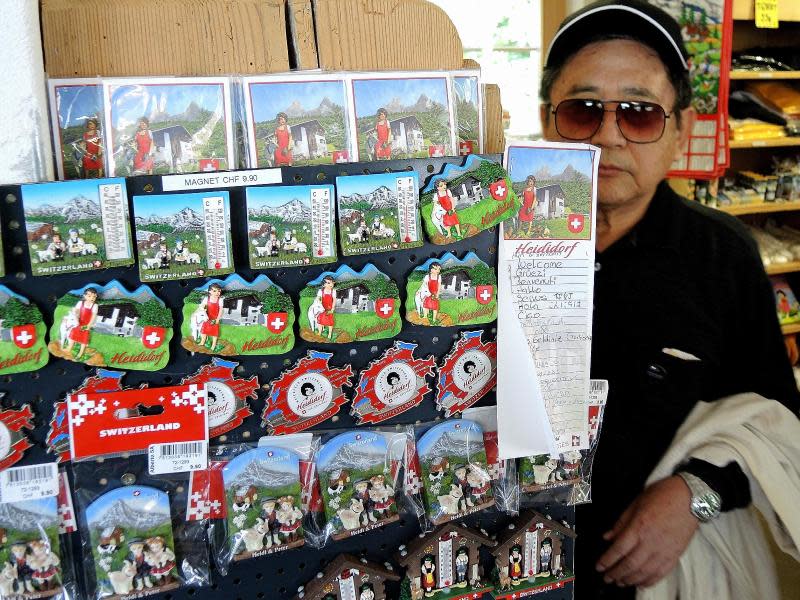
x: 705, y: 503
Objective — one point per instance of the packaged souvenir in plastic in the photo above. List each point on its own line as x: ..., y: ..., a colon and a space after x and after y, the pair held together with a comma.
x: 468, y: 110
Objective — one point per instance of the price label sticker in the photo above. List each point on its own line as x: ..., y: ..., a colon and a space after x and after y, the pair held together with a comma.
x: 767, y: 14
x: 22, y: 484
x: 177, y: 457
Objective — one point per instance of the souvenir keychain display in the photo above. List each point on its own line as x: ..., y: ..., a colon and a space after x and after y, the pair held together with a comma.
x: 290, y: 226
x: 108, y: 326
x: 449, y: 291
x: 346, y: 306
x: 22, y: 334
x: 233, y: 317
x: 179, y: 236
x: 80, y: 225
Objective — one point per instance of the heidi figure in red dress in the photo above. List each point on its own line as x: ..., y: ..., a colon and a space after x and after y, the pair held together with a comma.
x: 285, y: 142
x: 143, y: 140
x: 430, y: 290
x: 85, y: 313
x: 445, y: 199
x: 526, y: 211
x: 323, y: 308
x: 383, y: 131
x: 515, y: 564
x: 212, y: 304
x: 92, y: 146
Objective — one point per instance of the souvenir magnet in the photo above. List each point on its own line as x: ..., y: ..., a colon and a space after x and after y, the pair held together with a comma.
x: 467, y: 374
x: 58, y: 436
x: 402, y: 115
x: 108, y: 326
x: 76, y: 112
x: 357, y: 471
x: 168, y: 125
x: 180, y: 236
x: 446, y: 561
x: 263, y: 496
x: 306, y: 395
x: 348, y: 577
x: 454, y: 470
x: 464, y: 200
x: 290, y: 226
x: 545, y: 471
x: 392, y: 384
x: 468, y: 111
x: 532, y: 556
x: 77, y: 225
x: 378, y: 212
x: 449, y: 291
x: 31, y: 549
x: 22, y: 334
x: 296, y: 121
x: 348, y: 306
x: 235, y: 317
x: 130, y: 534
x: 13, y: 441
x: 66, y: 510
x: 228, y: 395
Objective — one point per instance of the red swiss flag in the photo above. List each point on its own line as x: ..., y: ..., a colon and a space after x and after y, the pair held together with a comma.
x: 209, y: 164
x: 384, y: 307
x: 575, y: 223
x: 277, y: 321
x: 340, y: 156
x: 499, y: 190
x: 465, y: 147
x: 484, y: 293
x: 24, y: 335
x: 153, y: 337
x: 436, y: 151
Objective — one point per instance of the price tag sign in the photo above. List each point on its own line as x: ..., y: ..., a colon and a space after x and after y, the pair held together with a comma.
x: 177, y: 457
x: 22, y: 484
x: 767, y: 14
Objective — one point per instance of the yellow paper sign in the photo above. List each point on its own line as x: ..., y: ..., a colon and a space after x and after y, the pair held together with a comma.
x: 767, y: 14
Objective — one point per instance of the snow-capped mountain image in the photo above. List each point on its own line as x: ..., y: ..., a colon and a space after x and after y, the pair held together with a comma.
x: 13, y: 517
x: 380, y: 198
x: 114, y: 290
x: 361, y: 458
x: 293, y: 211
x: 325, y: 107
x: 78, y: 208
x: 183, y: 220
x: 569, y: 173
x: 452, y: 445
x: 345, y: 273
x: 235, y: 282
x: 264, y: 474
x: 422, y: 104
x: 120, y: 514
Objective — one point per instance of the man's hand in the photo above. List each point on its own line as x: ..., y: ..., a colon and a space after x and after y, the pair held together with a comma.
x: 650, y: 536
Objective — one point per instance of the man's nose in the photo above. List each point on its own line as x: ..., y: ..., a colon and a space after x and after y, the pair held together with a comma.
x: 609, y: 135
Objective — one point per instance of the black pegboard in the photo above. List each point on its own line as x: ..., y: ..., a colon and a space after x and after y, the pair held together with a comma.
x: 274, y: 577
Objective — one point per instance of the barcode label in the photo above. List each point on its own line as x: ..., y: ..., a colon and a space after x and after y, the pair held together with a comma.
x: 177, y: 457
x: 598, y: 391
x: 20, y: 484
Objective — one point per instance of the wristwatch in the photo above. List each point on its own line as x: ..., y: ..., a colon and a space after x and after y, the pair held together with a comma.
x: 706, y: 503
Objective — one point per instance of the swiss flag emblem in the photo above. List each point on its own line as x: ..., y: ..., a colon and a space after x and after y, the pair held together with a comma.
x: 484, y: 293
x: 436, y: 151
x: 277, y: 321
x: 340, y: 156
x: 384, y: 307
x: 499, y: 190
x: 465, y: 147
x: 152, y: 337
x: 24, y: 335
x: 209, y: 164
x: 575, y: 223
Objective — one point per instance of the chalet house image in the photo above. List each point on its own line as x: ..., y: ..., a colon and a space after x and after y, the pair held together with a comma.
x: 256, y: 229
x: 468, y: 192
x: 353, y: 299
x: 444, y: 549
x: 540, y: 544
x: 146, y: 239
x: 350, y: 216
x: 242, y: 310
x: 174, y: 144
x: 549, y: 202
x: 309, y: 140
x: 456, y: 284
x: 37, y: 231
x: 348, y: 578
x: 117, y: 319
x: 407, y: 134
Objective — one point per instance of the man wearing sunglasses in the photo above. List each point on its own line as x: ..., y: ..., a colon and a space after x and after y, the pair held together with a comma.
x: 683, y: 309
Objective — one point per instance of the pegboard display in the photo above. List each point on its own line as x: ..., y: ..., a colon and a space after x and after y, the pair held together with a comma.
x: 277, y: 576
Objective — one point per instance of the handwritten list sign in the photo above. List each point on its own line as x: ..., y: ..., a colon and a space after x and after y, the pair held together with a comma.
x: 546, y: 289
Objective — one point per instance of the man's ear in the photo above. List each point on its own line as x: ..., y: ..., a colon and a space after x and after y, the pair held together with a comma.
x: 687, y: 124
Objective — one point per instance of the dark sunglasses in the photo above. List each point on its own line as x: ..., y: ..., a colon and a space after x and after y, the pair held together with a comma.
x: 638, y: 122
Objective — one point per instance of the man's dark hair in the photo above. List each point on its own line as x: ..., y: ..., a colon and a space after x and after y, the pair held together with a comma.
x: 679, y: 79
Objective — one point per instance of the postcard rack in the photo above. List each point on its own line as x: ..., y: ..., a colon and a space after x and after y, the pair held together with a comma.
x: 278, y: 576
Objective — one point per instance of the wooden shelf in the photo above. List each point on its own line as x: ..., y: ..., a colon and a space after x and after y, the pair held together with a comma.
x: 755, y: 208
x: 765, y: 74
x: 790, y: 267
x: 771, y: 143
x: 790, y: 329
